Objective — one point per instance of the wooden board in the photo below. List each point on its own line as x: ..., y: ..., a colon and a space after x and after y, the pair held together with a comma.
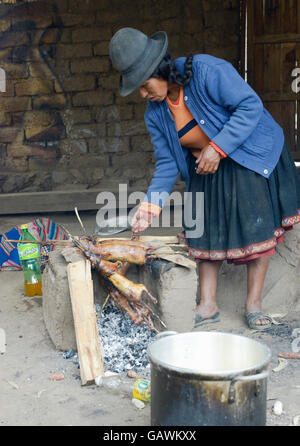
x: 84, y: 314
x: 168, y: 240
x: 284, y: 113
x: 29, y: 202
x: 273, y: 53
x: 55, y: 201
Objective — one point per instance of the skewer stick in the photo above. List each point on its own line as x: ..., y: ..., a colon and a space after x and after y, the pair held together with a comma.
x: 102, y: 308
x: 79, y: 219
x: 154, y: 314
x: 45, y: 242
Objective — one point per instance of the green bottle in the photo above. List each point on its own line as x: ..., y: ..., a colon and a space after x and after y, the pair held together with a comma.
x: 29, y: 255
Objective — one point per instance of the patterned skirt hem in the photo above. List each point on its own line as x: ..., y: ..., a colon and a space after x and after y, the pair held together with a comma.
x: 247, y: 253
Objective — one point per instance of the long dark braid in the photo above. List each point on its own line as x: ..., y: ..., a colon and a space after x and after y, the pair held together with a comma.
x: 168, y: 71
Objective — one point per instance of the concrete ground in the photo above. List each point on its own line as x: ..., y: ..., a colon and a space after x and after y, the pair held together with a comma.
x: 30, y: 398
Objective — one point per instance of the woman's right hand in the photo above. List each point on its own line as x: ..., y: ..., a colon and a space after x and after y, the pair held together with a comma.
x: 144, y: 216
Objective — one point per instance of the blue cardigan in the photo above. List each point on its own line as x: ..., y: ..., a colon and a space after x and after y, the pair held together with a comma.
x: 230, y: 113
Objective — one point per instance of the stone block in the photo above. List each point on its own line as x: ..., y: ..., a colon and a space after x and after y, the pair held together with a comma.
x: 91, y: 34
x: 72, y: 50
x: 140, y: 184
x: 57, y: 308
x: 108, y: 145
x: 77, y: 116
x: 34, y: 129
x: 15, y: 71
x: 60, y: 177
x: 160, y: 10
x: 78, y: 146
x: 18, y: 164
x: 101, y: 48
x: 133, y: 160
x: 66, y: 36
x: 62, y: 68
x: 108, y: 15
x: 87, y: 130
x: 90, y: 65
x: 83, y: 6
x: 13, y: 39
x: 8, y: 134
x: 36, y: 69
x: 92, y: 98
x: 139, y: 111
x: 109, y: 80
x: 134, y: 127
x: 173, y: 25
x: 9, y: 90
x: 281, y: 288
x: 76, y: 83
x: 18, y: 182
x: 141, y: 144
x: 176, y: 290
x: 54, y: 101
x: 62, y: 6
x: 18, y: 150
x: 33, y: 87
x: 113, y: 144
x: 53, y: 35
x: 71, y: 19
x: 89, y: 162
x: 38, y: 118
x: 5, y: 118
x: 113, y: 128
x: 133, y: 98
x: 280, y: 292
x: 15, y: 104
x: 125, y: 112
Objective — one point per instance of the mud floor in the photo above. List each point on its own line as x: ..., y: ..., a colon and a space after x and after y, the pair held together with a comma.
x: 30, y: 398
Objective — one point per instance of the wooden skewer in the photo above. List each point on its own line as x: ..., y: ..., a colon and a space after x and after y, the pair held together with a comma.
x: 69, y: 242
x: 46, y: 242
x: 80, y: 221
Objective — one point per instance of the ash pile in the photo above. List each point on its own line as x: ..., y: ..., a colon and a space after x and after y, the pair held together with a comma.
x: 124, y: 343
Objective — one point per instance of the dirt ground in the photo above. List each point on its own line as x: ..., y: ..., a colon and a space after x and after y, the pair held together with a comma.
x: 30, y: 398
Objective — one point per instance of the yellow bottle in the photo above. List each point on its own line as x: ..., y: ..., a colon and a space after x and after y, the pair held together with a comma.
x: 29, y: 255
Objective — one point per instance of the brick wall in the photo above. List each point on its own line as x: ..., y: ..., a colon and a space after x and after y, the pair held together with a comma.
x: 63, y: 125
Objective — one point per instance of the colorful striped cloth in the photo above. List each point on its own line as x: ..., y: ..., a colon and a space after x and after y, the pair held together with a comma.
x: 42, y: 229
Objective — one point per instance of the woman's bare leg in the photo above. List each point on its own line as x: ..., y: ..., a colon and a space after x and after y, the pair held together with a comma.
x: 208, y: 273
x: 256, y: 273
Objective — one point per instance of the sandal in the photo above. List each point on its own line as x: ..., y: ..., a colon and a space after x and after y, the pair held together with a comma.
x: 199, y: 320
x: 255, y: 316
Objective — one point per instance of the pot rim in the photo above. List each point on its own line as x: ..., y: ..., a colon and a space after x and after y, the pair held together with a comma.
x: 213, y: 376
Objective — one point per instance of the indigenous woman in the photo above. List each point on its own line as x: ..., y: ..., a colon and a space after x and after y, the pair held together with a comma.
x: 209, y: 125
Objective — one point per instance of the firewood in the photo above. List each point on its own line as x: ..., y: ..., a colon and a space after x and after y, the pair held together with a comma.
x: 84, y: 314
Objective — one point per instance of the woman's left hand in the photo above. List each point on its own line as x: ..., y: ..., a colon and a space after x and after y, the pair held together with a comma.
x: 208, y: 161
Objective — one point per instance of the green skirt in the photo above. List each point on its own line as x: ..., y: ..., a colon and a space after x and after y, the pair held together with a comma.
x: 245, y: 214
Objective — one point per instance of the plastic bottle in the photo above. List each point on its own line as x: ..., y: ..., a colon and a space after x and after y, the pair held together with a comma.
x: 121, y: 385
x: 29, y: 255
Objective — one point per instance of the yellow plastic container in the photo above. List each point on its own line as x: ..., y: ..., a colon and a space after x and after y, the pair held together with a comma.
x: 142, y: 390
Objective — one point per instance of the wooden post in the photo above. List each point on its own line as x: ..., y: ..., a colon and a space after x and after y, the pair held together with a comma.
x: 84, y: 314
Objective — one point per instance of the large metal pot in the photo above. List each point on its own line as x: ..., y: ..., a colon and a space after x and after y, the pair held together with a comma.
x: 208, y: 379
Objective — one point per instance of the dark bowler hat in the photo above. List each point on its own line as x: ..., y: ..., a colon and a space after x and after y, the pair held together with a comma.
x: 136, y: 56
